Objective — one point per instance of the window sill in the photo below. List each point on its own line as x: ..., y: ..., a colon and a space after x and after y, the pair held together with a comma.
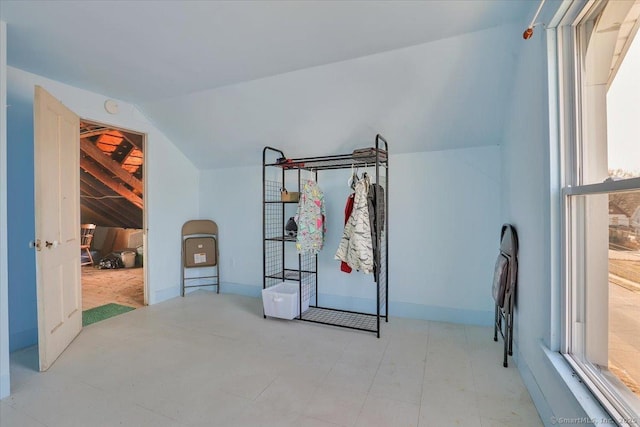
x: 593, y: 410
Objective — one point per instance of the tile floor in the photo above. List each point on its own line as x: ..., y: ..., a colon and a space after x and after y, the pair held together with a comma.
x: 212, y: 360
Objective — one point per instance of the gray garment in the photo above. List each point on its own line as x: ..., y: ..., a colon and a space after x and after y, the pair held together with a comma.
x: 376, y: 204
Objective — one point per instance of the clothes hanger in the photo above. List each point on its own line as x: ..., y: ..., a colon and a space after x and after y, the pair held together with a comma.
x: 354, y: 177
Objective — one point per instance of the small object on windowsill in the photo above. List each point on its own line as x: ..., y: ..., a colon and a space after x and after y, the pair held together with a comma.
x: 613, y: 178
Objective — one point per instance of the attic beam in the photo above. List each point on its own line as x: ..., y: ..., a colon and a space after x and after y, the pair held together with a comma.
x: 106, y: 219
x: 110, y: 218
x: 111, y: 165
x: 91, y: 133
x: 94, y: 170
x: 132, y: 142
x: 92, y: 190
x: 103, y: 220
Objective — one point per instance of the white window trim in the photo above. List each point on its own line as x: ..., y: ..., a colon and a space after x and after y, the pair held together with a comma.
x: 564, y: 43
x: 603, y: 187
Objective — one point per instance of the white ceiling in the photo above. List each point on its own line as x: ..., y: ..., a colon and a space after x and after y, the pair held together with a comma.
x: 173, y: 57
x: 451, y: 93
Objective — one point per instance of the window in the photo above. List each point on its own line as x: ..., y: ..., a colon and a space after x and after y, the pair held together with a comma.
x: 600, y: 133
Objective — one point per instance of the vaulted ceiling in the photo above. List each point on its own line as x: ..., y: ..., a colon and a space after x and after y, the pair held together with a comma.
x: 223, y: 78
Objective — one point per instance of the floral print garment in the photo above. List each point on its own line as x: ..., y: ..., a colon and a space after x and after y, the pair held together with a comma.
x: 310, y: 219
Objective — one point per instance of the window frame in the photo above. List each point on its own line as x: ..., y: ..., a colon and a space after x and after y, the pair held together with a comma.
x: 569, y: 42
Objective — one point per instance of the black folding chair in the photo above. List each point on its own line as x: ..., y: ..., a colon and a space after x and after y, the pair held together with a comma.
x: 505, y: 279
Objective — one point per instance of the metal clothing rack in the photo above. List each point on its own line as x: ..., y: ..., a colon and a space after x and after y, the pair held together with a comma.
x: 279, y: 265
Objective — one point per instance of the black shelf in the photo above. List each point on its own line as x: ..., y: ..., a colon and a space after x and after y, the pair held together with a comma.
x: 276, y: 250
x: 342, y: 318
x: 290, y: 274
x: 339, y: 161
x: 280, y: 239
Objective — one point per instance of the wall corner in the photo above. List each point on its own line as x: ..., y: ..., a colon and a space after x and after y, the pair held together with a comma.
x: 4, y: 285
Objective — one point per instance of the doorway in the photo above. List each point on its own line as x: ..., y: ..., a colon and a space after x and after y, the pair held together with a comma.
x: 111, y: 198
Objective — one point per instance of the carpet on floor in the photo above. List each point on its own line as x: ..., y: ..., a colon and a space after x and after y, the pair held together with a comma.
x: 97, y: 314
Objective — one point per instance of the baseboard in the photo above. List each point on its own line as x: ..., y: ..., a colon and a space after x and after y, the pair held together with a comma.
x: 240, y: 289
x: 5, y: 386
x: 23, y: 339
x: 441, y: 314
x: 164, y: 294
x: 366, y: 305
x: 529, y: 380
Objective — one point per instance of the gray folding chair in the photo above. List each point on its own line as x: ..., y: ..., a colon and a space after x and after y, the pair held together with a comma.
x: 505, y: 280
x: 200, y: 251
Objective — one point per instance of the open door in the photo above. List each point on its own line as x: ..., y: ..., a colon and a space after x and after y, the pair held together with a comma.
x: 57, y: 216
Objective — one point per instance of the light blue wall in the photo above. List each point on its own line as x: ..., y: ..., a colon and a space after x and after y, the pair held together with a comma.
x: 4, y: 305
x: 22, y: 277
x: 444, y: 212
x: 530, y: 202
x: 171, y: 196
x: 444, y: 194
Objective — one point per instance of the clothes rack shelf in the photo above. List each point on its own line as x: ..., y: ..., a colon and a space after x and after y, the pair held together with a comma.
x: 279, y: 262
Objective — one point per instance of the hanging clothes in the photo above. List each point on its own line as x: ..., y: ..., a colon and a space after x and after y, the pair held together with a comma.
x: 356, y: 247
x: 375, y: 202
x: 310, y: 218
x: 347, y: 214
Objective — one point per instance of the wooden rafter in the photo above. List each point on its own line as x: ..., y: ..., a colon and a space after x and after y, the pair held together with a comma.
x: 95, y: 188
x: 107, y: 180
x: 129, y: 138
x: 110, y: 210
x: 111, y: 165
x: 89, y: 134
x: 104, y: 220
x: 105, y: 211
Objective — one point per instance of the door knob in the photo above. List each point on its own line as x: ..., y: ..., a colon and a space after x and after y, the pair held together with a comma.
x: 48, y: 244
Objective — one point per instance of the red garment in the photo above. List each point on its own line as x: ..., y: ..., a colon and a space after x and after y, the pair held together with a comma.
x: 347, y: 213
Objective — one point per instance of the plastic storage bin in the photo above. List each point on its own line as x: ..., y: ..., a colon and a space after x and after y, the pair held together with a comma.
x: 128, y: 258
x: 282, y: 301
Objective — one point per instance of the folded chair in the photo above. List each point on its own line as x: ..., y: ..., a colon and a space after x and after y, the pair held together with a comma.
x: 200, y: 252
x: 505, y: 280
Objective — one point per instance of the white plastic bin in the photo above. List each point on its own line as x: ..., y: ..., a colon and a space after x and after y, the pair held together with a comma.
x: 282, y: 301
x: 128, y: 258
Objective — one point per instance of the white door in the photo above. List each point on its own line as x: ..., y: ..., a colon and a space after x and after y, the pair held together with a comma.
x: 57, y: 212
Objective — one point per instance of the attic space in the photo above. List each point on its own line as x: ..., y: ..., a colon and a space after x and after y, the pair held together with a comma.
x: 111, y: 171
